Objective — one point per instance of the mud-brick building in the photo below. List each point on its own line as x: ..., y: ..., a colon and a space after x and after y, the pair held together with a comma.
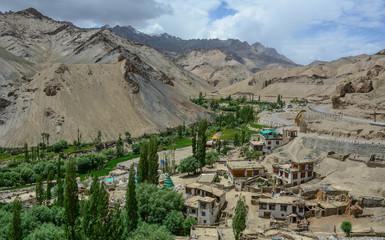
x: 295, y: 173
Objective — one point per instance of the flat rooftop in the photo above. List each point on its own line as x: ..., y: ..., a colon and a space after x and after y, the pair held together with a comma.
x: 256, y: 143
x: 280, y: 199
x: 244, y: 165
x: 215, y: 191
x: 193, y: 201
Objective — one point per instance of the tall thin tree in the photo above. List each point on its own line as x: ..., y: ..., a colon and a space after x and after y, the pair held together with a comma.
x: 239, y: 219
x: 201, y: 149
x: 153, y: 161
x: 71, y: 200
x: 39, y: 190
x: 143, y: 162
x: 59, y: 183
x: 194, y: 140
x: 49, y: 187
x: 131, y: 203
x: 16, y: 232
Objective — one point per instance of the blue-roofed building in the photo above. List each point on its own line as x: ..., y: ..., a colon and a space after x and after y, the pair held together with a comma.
x: 265, y: 141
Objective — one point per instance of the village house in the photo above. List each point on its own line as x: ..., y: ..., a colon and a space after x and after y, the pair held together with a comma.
x: 295, y: 173
x: 265, y: 141
x: 204, y: 203
x: 282, y: 207
x: 289, y: 134
x: 239, y: 171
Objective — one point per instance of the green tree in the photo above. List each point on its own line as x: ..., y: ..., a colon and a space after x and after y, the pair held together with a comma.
x: 154, y: 204
x: 188, y: 165
x: 201, y: 149
x: 27, y: 174
x: 39, y: 190
x: 46, y: 231
x: 180, y: 131
x: 131, y: 203
x: 239, y: 219
x: 71, y: 200
x: 194, y: 140
x: 60, y: 146
x: 187, y: 224
x: 153, y: 161
x: 143, y: 162
x: 59, y: 184
x: 211, y: 158
x: 96, y: 217
x: 174, y: 222
x: 49, y: 186
x: 16, y: 232
x: 119, y: 147
x: 151, y: 232
x: 236, y: 140
x: 26, y: 153
x: 346, y: 226
x: 128, y: 137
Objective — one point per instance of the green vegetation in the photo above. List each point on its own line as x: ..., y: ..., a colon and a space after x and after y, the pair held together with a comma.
x: 187, y: 224
x: 346, y: 226
x: 188, y: 165
x: 239, y: 219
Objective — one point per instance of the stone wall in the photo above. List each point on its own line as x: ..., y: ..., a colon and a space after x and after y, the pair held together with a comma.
x: 342, y: 147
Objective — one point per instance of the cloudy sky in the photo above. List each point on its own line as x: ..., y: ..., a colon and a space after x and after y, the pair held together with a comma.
x: 303, y: 30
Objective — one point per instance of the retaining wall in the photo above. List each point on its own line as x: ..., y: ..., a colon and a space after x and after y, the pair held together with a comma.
x: 341, y: 147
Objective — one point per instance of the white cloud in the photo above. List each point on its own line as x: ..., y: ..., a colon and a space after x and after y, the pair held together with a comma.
x: 302, y: 30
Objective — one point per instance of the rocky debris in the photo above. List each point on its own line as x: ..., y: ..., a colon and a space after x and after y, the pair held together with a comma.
x: 4, y: 103
x: 52, y: 87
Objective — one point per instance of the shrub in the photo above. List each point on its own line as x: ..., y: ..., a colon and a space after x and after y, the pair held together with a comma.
x: 346, y: 226
x: 225, y: 176
x: 60, y: 146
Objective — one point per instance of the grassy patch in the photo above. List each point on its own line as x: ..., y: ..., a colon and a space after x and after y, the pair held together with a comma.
x: 73, y: 149
x: 179, y: 144
x: 254, y: 125
x: 249, y: 130
x: 228, y: 134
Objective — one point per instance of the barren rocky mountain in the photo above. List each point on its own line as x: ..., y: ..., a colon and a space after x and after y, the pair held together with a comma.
x: 254, y: 57
x: 351, y: 81
x: 218, y: 69
x: 58, y: 79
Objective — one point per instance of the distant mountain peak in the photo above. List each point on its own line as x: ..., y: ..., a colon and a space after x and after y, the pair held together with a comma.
x: 32, y: 12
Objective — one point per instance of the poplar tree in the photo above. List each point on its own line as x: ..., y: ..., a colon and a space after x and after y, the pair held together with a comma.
x: 16, y: 232
x: 131, y: 203
x: 39, y: 190
x: 59, y: 183
x: 239, y: 219
x: 143, y: 162
x: 119, y: 147
x: 201, y: 146
x: 26, y: 153
x: 71, y: 200
x: 153, y: 161
x: 49, y: 187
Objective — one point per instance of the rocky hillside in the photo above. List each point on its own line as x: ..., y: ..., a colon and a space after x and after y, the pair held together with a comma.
x: 352, y: 83
x: 254, y: 57
x: 218, y: 69
x: 66, y: 79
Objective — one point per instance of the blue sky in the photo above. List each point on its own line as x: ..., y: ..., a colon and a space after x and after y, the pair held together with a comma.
x: 302, y: 30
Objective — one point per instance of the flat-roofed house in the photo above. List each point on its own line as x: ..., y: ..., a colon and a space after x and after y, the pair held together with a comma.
x: 295, y: 173
x: 281, y: 207
x: 241, y: 170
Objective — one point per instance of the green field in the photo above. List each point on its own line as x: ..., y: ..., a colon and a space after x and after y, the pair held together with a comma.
x: 228, y: 134
x: 179, y: 144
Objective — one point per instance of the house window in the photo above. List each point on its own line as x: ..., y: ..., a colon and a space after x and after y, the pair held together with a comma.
x: 203, y: 214
x: 277, y: 142
x: 303, y: 174
x: 283, y: 208
x: 295, y: 175
x: 263, y: 206
x: 309, y: 174
x: 203, y: 205
x: 271, y: 207
x: 193, y: 211
x: 268, y: 147
x: 204, y: 221
x: 269, y: 142
x: 300, y: 210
